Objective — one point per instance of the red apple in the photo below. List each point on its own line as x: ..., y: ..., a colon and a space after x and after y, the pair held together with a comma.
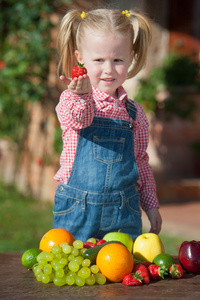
x: 189, y: 256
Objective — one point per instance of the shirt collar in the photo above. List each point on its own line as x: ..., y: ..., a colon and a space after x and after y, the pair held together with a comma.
x: 101, y: 96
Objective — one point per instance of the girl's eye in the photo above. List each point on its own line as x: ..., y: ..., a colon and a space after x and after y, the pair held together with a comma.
x: 99, y: 60
x: 118, y: 60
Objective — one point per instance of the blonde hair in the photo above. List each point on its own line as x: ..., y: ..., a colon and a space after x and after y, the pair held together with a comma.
x: 73, y: 28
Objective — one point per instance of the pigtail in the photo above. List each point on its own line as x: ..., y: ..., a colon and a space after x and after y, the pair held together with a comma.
x: 66, y: 43
x: 141, y: 43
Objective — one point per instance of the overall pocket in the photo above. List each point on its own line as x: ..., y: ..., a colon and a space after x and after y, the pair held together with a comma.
x: 108, y: 150
x: 64, y: 204
x: 133, y: 205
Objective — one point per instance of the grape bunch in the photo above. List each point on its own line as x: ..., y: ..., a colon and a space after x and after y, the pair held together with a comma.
x: 65, y: 265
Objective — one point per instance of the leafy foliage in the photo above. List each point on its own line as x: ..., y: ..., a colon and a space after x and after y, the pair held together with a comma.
x: 25, y: 50
x: 176, y: 72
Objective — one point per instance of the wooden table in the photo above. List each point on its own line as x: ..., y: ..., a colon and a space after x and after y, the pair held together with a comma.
x: 18, y: 283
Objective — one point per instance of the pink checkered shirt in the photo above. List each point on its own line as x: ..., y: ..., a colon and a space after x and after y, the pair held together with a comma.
x: 77, y: 111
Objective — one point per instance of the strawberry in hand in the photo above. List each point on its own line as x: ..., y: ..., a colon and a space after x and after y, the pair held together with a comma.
x: 78, y: 70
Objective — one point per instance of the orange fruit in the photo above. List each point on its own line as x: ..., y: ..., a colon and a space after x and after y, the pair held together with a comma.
x: 115, y: 262
x: 55, y: 237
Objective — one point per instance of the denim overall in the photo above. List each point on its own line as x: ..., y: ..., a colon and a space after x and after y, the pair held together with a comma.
x: 101, y: 194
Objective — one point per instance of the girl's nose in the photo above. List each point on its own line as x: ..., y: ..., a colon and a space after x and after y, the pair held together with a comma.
x: 108, y: 67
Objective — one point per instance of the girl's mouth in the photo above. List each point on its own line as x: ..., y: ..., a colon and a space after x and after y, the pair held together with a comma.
x: 108, y: 80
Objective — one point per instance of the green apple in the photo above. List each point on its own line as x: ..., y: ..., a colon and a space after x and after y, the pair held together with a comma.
x: 124, y: 238
x: 147, y: 246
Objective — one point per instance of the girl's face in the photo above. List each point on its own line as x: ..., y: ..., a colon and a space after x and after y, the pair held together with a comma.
x: 107, y: 58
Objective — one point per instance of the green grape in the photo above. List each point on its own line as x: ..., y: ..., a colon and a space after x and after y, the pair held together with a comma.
x: 71, y: 257
x: 56, y: 249
x: 49, y: 256
x: 36, y: 269
x: 65, y: 255
x: 58, y: 255
x: 63, y: 261
x: 42, y: 262
x: 100, y: 278
x: 58, y: 267
x: 92, y: 240
x: 60, y: 273
x: 78, y: 259
x: 54, y: 262
x: 71, y: 273
x: 90, y: 280
x: 59, y: 281
x: 67, y: 249
x: 75, y: 252
x: 79, y: 281
x: 84, y: 272
x: 70, y: 280
x: 82, y: 251
x: 94, y: 269
x: 64, y: 244
x: 39, y: 277
x: 51, y: 277
x: 86, y: 262
x: 45, y: 278
x: 73, y: 266
x: 48, y: 269
x: 41, y: 256
x: 78, y: 244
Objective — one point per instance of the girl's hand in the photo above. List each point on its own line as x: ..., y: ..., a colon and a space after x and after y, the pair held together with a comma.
x: 155, y: 220
x: 65, y: 79
x: 80, y: 85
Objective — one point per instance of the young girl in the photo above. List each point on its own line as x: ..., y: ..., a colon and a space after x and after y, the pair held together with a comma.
x: 104, y: 175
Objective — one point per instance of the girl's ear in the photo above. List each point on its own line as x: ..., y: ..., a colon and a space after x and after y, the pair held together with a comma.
x: 78, y: 56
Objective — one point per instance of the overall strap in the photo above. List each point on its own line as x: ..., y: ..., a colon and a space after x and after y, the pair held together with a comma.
x: 131, y: 109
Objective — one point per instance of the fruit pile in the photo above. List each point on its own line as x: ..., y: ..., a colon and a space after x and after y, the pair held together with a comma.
x: 144, y: 272
x: 65, y: 264
x: 65, y: 261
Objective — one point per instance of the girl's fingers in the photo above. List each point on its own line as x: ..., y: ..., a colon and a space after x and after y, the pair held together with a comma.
x: 65, y: 79
x: 80, y: 85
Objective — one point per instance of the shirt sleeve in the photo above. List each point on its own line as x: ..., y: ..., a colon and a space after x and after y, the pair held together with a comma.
x: 75, y: 111
x: 146, y: 182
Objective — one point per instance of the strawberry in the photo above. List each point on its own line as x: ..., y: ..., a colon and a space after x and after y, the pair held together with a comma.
x: 156, y: 272
x: 146, y: 263
x: 176, y: 271
x: 78, y: 70
x: 100, y: 242
x: 88, y: 245
x: 143, y: 272
x: 132, y: 279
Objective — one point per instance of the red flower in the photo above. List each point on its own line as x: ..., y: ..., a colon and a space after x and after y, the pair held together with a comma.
x: 2, y: 65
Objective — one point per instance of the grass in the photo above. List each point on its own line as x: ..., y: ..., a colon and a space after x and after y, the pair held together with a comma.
x: 23, y: 221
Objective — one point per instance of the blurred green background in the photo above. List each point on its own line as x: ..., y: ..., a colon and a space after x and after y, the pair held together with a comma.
x: 28, y: 59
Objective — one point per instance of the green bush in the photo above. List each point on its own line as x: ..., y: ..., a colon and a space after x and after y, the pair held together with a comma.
x: 26, y: 52
x: 176, y: 72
